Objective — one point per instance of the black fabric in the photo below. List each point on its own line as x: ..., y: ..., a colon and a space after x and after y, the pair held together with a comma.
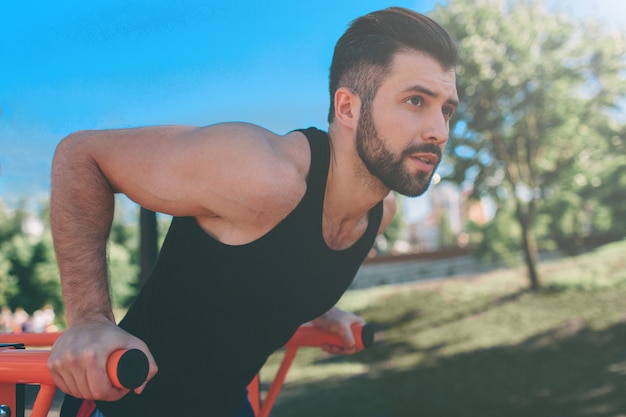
x: 211, y: 313
x: 70, y: 406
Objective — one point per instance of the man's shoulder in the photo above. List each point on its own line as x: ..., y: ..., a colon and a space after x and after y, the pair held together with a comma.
x: 263, y: 145
x: 264, y: 179
x: 251, y: 138
x: 268, y: 162
x: 240, y: 131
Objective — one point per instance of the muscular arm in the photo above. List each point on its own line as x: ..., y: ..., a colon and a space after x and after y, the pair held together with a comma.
x: 81, y: 223
x: 81, y: 212
x: 229, y: 175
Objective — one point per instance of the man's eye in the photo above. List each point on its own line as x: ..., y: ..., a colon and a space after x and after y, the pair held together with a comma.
x: 416, y: 101
x: 448, y: 112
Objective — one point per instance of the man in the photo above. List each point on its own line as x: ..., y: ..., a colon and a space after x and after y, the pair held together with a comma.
x: 268, y: 230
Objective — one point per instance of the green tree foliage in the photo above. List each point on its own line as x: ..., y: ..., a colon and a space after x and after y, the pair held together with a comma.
x: 32, y: 265
x: 8, y: 283
x: 447, y: 237
x: 28, y: 274
x: 539, y: 94
x: 123, y: 257
x: 123, y: 275
x: 499, y: 240
x: 610, y: 189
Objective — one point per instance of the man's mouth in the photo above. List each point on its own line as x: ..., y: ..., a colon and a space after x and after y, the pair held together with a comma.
x: 427, y: 158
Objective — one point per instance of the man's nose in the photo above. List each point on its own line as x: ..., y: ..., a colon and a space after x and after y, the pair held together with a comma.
x: 436, y: 128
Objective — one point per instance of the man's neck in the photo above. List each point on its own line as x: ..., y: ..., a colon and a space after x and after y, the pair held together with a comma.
x: 351, y: 192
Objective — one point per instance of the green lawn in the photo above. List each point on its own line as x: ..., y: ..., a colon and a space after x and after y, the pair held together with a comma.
x: 482, y: 346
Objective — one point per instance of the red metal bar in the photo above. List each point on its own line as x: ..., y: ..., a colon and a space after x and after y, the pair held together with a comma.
x: 254, y: 394
x: 25, y: 366
x: 44, y: 399
x: 20, y: 366
x: 306, y: 336
x: 8, y: 396
x: 30, y: 339
x: 30, y: 366
x: 310, y: 336
x: 272, y: 393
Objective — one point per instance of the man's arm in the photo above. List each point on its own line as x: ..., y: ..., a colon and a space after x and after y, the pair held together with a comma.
x: 227, y: 174
x: 81, y: 222
x: 80, y: 226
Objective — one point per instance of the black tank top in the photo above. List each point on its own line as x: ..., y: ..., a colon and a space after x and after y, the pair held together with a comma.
x: 212, y: 313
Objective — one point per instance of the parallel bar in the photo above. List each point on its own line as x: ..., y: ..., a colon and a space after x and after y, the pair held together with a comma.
x: 272, y: 393
x: 30, y: 339
x: 43, y: 402
x: 25, y: 367
x: 310, y: 336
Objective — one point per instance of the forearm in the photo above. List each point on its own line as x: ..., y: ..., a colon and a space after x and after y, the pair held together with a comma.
x: 81, y: 213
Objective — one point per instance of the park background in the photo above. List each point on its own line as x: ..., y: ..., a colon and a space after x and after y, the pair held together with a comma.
x: 527, y: 212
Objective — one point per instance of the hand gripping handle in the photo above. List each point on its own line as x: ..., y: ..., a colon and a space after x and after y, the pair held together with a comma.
x: 315, y: 337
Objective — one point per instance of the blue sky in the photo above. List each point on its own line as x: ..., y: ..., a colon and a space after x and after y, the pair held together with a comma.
x: 70, y: 65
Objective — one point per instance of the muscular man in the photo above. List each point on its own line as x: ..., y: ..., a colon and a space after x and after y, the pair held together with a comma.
x: 268, y: 230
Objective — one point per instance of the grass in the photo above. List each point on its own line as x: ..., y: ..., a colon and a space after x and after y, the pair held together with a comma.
x: 479, y: 347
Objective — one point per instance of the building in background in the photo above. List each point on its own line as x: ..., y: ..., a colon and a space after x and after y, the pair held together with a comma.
x: 437, y: 220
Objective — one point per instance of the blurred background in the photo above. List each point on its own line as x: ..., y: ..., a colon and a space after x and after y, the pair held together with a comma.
x: 532, y: 182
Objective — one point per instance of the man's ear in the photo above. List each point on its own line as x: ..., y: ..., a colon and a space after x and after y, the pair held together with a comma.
x: 347, y: 108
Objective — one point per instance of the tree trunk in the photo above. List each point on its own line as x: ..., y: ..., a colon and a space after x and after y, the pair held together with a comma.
x: 148, y: 243
x: 529, y: 246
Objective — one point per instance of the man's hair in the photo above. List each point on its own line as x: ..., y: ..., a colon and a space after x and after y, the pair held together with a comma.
x: 363, y: 55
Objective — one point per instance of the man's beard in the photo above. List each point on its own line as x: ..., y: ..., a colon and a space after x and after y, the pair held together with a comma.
x: 384, y: 165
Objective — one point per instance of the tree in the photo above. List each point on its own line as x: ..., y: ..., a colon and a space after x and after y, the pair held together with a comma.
x: 28, y: 274
x: 447, y: 237
x: 610, y: 190
x: 124, y: 254
x: 8, y: 283
x: 538, y: 98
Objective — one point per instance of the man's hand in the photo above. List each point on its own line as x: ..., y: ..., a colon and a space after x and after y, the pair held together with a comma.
x: 339, y: 321
x: 78, y: 360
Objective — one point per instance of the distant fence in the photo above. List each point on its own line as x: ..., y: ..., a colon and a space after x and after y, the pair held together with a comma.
x: 424, y: 266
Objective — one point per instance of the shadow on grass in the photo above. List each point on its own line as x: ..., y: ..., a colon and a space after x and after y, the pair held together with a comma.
x: 474, y: 309
x: 571, y: 371
x: 384, y: 351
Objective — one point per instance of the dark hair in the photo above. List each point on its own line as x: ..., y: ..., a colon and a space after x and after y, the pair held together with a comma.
x: 364, y: 53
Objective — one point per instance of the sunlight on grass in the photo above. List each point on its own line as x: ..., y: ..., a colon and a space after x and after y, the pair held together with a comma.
x: 481, y: 343
x: 321, y: 371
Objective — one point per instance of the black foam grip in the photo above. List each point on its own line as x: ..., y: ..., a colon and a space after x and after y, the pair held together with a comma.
x: 367, y: 335
x: 132, y: 369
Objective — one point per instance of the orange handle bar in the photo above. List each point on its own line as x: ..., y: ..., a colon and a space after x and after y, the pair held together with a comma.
x: 30, y: 339
x: 306, y: 336
x: 126, y: 368
x: 313, y: 337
